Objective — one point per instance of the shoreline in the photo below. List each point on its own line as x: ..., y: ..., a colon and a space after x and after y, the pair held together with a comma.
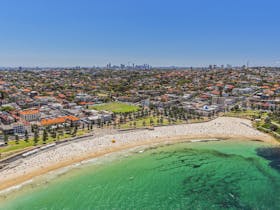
x: 221, y: 128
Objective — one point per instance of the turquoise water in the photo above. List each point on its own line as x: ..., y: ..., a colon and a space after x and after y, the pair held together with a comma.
x: 212, y: 175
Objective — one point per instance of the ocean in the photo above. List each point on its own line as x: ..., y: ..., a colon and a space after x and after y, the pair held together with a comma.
x: 199, y: 175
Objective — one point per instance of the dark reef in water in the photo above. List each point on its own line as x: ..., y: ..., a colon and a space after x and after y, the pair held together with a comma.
x: 272, y: 154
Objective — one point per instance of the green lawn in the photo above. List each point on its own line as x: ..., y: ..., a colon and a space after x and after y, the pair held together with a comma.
x: 139, y: 122
x: 13, y: 148
x: 245, y: 114
x: 116, y: 107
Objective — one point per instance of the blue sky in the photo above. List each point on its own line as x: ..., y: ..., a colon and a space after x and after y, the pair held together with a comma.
x: 158, y: 32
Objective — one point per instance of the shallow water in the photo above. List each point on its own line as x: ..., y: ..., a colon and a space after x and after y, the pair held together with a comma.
x: 204, y: 175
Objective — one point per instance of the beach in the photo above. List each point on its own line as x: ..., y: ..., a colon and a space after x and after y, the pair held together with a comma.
x: 60, y: 156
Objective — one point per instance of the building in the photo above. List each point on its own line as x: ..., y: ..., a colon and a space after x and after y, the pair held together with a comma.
x: 20, y: 128
x: 16, y: 128
x: 59, y: 120
x: 30, y: 115
x: 6, y: 118
x: 218, y: 100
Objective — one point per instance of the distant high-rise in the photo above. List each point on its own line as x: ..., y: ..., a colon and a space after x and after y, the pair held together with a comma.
x: 109, y: 66
x: 229, y: 66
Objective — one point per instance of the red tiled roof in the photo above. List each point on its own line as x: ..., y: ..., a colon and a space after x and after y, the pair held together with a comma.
x: 215, y: 92
x: 58, y: 120
x: 29, y: 112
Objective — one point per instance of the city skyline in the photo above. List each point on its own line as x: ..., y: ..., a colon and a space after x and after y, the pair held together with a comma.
x: 160, y: 33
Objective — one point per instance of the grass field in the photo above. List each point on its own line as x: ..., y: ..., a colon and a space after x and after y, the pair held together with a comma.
x: 116, y: 107
x: 139, y: 122
x: 246, y: 114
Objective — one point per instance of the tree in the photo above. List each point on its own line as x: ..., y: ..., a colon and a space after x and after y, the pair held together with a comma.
x: 161, y: 120
x: 45, y: 136
x: 151, y: 121
x: 121, y: 119
x: 176, y: 118
x: 115, y: 124
x: 144, y: 123
x: 17, y: 139
x: 273, y: 127
x: 146, y: 112
x: 91, y: 125
x: 75, y: 131
x: 165, y: 112
x: 36, y: 137
x: 267, y: 120
x: 7, y: 108
x: 6, y: 139
x: 169, y: 120
x: 26, y: 138
x: 134, y: 124
x: 53, y: 135
x: 158, y: 121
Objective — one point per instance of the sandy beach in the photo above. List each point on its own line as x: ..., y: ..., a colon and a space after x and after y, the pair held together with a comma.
x: 67, y: 154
